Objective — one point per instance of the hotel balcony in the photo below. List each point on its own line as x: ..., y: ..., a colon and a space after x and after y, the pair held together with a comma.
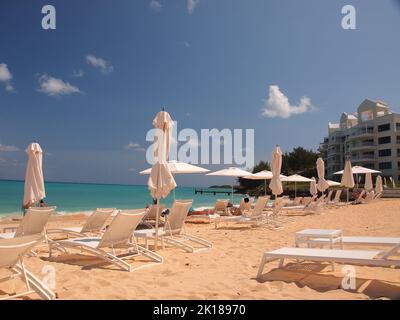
x: 363, y: 159
x: 362, y: 133
x: 362, y: 146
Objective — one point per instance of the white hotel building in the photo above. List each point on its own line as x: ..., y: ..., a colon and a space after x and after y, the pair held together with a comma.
x: 370, y: 137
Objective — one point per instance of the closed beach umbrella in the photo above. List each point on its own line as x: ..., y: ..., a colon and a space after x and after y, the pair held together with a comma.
x: 276, y: 185
x: 313, y: 187
x: 262, y: 175
x: 378, y: 184
x: 230, y: 172
x: 178, y: 167
x: 161, y: 181
x: 34, y: 182
x: 347, y: 177
x: 368, y: 182
x: 322, y: 184
x: 295, y: 178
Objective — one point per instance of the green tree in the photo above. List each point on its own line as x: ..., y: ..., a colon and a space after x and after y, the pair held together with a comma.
x: 249, y: 184
x: 300, y: 161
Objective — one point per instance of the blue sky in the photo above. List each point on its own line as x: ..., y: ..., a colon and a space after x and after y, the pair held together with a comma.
x: 93, y: 85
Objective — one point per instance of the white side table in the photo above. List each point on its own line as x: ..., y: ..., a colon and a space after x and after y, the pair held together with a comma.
x: 318, y: 236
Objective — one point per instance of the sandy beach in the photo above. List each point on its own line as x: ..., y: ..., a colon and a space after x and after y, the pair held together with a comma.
x: 228, y: 270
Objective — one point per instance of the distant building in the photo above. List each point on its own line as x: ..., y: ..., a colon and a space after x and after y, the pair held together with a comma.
x: 370, y: 137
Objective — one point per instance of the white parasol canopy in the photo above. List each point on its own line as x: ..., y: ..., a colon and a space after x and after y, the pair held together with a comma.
x: 322, y: 184
x: 178, y: 167
x: 378, y: 184
x: 333, y: 183
x: 359, y: 170
x: 34, y: 182
x: 313, y: 187
x: 276, y: 185
x: 262, y: 175
x: 368, y: 182
x: 230, y: 172
x: 295, y: 178
x: 161, y: 181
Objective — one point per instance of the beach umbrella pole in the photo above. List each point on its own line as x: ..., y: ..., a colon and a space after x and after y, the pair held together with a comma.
x: 157, y: 219
x: 295, y: 189
x: 265, y: 187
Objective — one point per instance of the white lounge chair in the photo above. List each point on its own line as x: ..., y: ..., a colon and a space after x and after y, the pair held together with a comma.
x: 355, y: 257
x: 220, y: 209
x: 174, y: 232
x: 94, y: 224
x: 248, y: 216
x: 34, y: 222
x: 328, y: 197
x: 392, y: 242
x: 11, y: 258
x: 336, y: 200
x: 118, y: 236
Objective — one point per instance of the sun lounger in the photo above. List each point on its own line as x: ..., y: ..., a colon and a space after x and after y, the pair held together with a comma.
x: 118, y: 236
x: 328, y: 197
x: 355, y: 257
x: 34, y: 222
x: 336, y: 200
x: 174, y: 232
x: 11, y: 258
x: 220, y: 209
x: 250, y: 216
x: 93, y: 224
x: 392, y: 242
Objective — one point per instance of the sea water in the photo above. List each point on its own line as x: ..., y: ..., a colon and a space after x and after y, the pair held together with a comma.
x: 77, y: 197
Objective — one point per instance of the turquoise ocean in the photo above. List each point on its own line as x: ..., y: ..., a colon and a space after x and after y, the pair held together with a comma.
x: 75, y: 197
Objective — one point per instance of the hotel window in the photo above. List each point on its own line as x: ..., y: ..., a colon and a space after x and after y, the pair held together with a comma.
x: 385, y: 165
x: 384, y: 127
x: 385, y: 153
x: 398, y: 126
x: 398, y: 139
x: 384, y: 140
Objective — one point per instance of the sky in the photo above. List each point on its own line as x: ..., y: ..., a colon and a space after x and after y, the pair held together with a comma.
x: 89, y: 90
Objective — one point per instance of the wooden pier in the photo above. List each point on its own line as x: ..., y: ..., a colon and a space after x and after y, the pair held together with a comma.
x: 214, y: 192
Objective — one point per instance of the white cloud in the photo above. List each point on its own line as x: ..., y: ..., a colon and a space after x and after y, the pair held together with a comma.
x: 188, y: 114
x: 55, y: 87
x: 155, y: 5
x: 6, y: 77
x: 191, y: 5
x: 5, y: 74
x: 131, y: 169
x: 10, y: 88
x: 78, y: 73
x: 5, y: 148
x: 186, y: 44
x: 104, y: 66
x: 277, y: 105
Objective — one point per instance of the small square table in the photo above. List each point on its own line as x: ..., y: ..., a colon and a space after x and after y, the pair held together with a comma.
x: 321, y: 236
